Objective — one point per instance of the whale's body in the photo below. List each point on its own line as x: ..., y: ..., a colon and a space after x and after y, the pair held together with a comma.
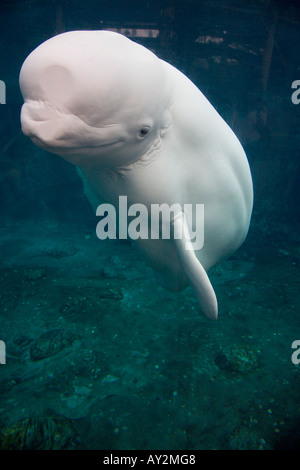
x: 136, y: 126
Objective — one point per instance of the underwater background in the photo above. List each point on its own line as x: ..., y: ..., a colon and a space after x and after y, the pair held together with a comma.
x: 98, y: 355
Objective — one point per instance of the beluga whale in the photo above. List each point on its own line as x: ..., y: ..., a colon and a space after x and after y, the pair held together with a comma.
x: 137, y: 127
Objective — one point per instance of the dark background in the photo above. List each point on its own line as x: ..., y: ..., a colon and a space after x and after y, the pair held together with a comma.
x: 243, y: 56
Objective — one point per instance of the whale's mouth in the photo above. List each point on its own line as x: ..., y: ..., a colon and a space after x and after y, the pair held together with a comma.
x: 43, y: 123
x: 60, y: 131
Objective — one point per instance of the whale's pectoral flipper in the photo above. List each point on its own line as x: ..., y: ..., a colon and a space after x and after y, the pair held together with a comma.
x: 193, y: 268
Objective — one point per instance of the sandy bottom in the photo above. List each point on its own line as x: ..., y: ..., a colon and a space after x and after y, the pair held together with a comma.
x: 92, y: 338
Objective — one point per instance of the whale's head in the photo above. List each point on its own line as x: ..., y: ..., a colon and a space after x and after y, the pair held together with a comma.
x: 95, y: 98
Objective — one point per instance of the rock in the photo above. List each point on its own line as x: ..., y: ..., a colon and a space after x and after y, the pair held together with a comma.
x: 50, y: 343
x: 33, y: 274
x: 108, y: 379
x: 243, y: 438
x: 237, y: 359
x: 49, y: 433
x: 115, y: 294
x: 222, y: 361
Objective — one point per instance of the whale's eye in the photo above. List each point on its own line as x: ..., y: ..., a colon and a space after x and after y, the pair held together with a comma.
x: 144, y: 131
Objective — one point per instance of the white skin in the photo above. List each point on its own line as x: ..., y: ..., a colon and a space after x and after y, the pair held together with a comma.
x: 138, y: 127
